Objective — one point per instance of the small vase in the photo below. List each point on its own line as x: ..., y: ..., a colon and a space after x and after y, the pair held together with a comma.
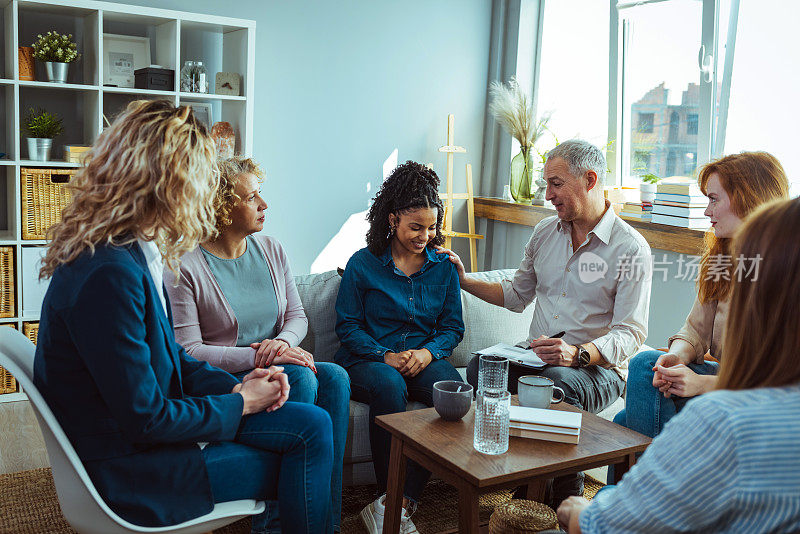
x: 39, y: 148
x: 56, y: 71
x: 647, y: 192
x: 194, y: 77
x: 522, y: 176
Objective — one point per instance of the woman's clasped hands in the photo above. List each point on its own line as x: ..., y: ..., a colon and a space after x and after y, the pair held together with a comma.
x: 273, y: 351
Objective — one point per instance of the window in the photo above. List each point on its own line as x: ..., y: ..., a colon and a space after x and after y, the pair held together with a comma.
x: 659, y: 84
x: 691, y: 124
x: 573, y: 71
x: 645, y: 122
x: 641, y: 162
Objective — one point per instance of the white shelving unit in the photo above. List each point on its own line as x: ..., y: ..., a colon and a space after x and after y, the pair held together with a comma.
x: 222, y: 43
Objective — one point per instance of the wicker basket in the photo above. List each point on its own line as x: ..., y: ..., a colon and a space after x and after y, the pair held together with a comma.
x: 7, y: 382
x: 44, y: 195
x: 7, y: 281
x: 31, y: 330
x: 519, y: 516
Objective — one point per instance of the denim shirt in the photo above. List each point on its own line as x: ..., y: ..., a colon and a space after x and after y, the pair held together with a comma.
x: 380, y: 309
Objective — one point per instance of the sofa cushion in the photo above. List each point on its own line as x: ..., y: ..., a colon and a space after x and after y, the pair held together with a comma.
x: 318, y: 294
x: 485, y: 323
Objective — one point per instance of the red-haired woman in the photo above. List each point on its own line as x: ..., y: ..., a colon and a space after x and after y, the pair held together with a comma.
x: 660, y: 383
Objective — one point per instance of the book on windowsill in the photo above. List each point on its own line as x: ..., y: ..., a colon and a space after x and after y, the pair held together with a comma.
x: 679, y: 188
x: 699, y: 223
x: 645, y: 217
x: 699, y: 200
x: 680, y: 211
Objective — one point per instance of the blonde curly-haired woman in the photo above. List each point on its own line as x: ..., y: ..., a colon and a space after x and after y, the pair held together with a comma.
x: 134, y: 405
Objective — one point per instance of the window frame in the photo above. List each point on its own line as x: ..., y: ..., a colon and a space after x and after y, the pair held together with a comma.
x: 711, y: 121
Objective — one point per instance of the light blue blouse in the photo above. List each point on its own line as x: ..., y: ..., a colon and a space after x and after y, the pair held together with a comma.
x: 247, y: 284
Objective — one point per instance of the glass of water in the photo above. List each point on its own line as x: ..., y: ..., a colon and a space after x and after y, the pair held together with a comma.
x: 492, y: 372
x: 491, y: 421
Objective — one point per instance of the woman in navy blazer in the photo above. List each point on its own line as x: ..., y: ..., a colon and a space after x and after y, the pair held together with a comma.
x: 138, y: 410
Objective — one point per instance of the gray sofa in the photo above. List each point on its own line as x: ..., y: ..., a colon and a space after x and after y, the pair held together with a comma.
x: 485, y: 325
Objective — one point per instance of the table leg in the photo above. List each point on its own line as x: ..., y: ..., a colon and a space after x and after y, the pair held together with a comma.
x: 622, y: 467
x: 394, y: 488
x: 468, y: 516
x: 535, y: 490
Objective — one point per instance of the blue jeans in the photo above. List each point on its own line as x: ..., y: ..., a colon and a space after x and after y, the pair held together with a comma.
x: 330, y: 390
x: 647, y: 410
x: 284, y: 455
x: 386, y: 391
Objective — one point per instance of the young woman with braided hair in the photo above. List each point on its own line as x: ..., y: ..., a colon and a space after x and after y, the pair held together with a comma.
x: 398, y: 316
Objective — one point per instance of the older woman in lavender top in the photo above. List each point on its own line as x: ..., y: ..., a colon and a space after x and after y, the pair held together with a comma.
x: 236, y: 306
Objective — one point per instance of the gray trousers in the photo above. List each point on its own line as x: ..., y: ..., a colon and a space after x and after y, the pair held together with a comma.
x: 590, y: 388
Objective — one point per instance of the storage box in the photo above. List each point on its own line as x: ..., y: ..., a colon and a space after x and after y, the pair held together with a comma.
x: 44, y: 195
x: 31, y: 330
x: 7, y: 272
x: 154, y: 78
x: 75, y: 153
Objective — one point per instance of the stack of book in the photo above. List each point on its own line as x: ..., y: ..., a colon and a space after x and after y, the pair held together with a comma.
x: 680, y: 204
x: 637, y: 211
x: 549, y: 425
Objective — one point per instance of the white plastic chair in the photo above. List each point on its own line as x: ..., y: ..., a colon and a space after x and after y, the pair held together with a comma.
x: 82, y: 506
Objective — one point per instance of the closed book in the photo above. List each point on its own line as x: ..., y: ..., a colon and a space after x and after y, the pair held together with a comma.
x: 679, y: 188
x: 683, y: 222
x: 646, y: 217
x: 632, y: 207
x: 545, y: 417
x: 693, y: 204
x: 687, y: 199
x: 546, y: 436
x: 679, y: 211
x: 544, y: 428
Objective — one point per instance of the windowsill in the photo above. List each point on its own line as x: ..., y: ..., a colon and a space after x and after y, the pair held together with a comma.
x: 660, y: 236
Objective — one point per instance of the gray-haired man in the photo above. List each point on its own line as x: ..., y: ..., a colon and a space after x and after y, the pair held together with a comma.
x: 590, y: 275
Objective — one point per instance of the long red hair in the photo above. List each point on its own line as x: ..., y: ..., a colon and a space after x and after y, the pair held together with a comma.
x: 750, y: 179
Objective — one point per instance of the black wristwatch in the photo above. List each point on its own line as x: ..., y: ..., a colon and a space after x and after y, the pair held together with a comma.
x: 583, y: 357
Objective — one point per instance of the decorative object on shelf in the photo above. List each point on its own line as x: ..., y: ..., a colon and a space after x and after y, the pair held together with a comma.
x: 27, y: 70
x: 57, y: 51
x: 202, y: 111
x: 75, y: 153
x: 42, y: 127
x: 155, y: 77
x: 510, y: 106
x: 44, y: 196
x: 225, y: 138
x: 7, y: 281
x: 227, y: 83
x: 194, y: 77
x: 647, y: 189
x: 123, y: 55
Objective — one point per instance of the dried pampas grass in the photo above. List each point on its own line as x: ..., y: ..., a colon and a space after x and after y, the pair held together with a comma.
x: 512, y: 110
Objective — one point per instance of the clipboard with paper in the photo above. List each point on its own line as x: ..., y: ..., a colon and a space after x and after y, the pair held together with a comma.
x: 515, y: 354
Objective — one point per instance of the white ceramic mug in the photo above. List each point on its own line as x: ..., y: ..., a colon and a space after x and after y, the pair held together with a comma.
x: 537, y: 391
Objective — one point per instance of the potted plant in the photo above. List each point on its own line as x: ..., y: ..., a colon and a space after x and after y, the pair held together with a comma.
x: 647, y: 189
x: 42, y: 127
x: 57, y: 51
x: 511, y: 107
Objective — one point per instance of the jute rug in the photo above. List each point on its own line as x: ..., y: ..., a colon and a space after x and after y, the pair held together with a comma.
x: 29, y: 505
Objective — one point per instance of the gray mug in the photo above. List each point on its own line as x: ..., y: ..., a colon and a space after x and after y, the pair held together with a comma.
x: 537, y: 392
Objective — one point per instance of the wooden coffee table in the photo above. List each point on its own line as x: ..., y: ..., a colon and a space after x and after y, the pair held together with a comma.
x: 445, y: 449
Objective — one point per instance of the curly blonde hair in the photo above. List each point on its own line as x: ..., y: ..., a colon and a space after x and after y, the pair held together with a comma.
x: 150, y: 176
x: 229, y: 171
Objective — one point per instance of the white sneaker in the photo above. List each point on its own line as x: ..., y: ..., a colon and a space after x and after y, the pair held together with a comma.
x: 372, y: 517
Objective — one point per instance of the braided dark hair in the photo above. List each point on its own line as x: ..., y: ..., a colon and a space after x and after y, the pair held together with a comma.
x: 411, y: 186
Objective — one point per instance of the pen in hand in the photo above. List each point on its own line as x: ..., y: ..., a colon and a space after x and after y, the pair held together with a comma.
x: 560, y: 334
